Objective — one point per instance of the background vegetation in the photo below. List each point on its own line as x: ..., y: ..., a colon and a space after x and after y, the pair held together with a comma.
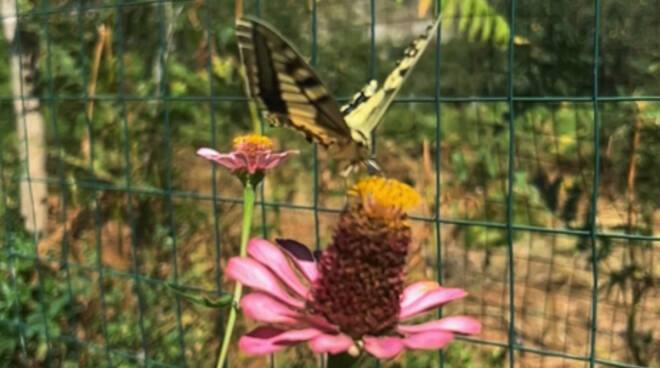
x: 131, y: 208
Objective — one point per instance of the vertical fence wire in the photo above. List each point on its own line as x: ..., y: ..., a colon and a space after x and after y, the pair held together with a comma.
x: 312, y: 62
x: 372, y: 64
x: 510, y: 187
x: 372, y: 71
x: 214, y: 185
x: 262, y: 197
x: 315, y: 198
x: 64, y: 256
x: 262, y: 202
x: 135, y: 263
x: 95, y: 199
x: 594, y: 195
x: 162, y: 30
x: 438, y: 163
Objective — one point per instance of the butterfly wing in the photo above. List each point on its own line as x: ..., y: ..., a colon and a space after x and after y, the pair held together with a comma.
x: 284, y: 85
x: 368, y: 106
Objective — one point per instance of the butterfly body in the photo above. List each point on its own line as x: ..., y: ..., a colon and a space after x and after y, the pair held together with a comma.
x: 284, y: 85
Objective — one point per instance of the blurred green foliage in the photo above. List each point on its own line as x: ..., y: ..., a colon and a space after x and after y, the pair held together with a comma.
x: 553, y: 156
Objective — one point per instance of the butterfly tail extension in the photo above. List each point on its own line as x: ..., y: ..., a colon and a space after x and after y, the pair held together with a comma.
x: 364, y: 115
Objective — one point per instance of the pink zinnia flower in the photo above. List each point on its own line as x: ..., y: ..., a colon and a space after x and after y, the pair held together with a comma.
x: 351, y: 297
x: 252, y: 155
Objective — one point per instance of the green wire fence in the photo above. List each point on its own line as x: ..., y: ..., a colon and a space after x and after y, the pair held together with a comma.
x: 523, y: 172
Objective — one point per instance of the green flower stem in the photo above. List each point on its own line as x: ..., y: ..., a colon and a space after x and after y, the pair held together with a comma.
x: 248, y: 204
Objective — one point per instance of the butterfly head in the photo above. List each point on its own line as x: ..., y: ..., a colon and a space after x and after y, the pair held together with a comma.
x: 358, y: 156
x: 354, y: 167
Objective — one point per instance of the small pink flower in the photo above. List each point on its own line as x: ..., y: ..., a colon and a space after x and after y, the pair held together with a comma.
x: 283, y: 299
x: 252, y: 155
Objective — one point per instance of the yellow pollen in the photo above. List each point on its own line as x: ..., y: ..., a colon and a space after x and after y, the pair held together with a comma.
x: 252, y: 142
x: 386, y: 192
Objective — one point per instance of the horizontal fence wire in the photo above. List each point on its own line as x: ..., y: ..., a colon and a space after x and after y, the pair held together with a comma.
x: 137, y: 359
x: 86, y: 184
x: 399, y: 100
x: 129, y: 190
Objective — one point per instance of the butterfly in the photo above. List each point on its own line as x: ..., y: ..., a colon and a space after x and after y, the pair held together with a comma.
x: 285, y: 86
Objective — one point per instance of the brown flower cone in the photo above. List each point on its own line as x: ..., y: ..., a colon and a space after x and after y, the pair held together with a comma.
x: 362, y: 271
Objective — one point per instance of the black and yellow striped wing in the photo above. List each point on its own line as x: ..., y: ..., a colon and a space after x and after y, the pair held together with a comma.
x: 286, y: 87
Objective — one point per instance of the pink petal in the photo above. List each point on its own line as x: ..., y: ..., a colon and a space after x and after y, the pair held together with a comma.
x: 265, y: 340
x: 432, y: 299
x: 246, y: 162
x: 253, y: 274
x: 415, y: 291
x: 333, y: 344
x: 271, y: 160
x: 383, y: 347
x: 457, y: 324
x: 319, y: 321
x: 228, y: 160
x: 429, y: 340
x: 301, y: 256
x: 209, y: 153
x: 272, y: 257
x: 263, y: 308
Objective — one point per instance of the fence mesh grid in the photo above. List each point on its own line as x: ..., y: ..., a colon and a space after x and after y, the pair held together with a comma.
x: 61, y: 330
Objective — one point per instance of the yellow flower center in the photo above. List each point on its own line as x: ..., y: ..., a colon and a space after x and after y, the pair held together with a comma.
x: 386, y: 192
x: 252, y: 143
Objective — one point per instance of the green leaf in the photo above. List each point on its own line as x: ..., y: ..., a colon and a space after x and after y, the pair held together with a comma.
x: 478, y: 19
x: 479, y: 10
x: 222, y: 301
x: 487, y: 26
x: 466, y: 12
x: 458, y: 164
